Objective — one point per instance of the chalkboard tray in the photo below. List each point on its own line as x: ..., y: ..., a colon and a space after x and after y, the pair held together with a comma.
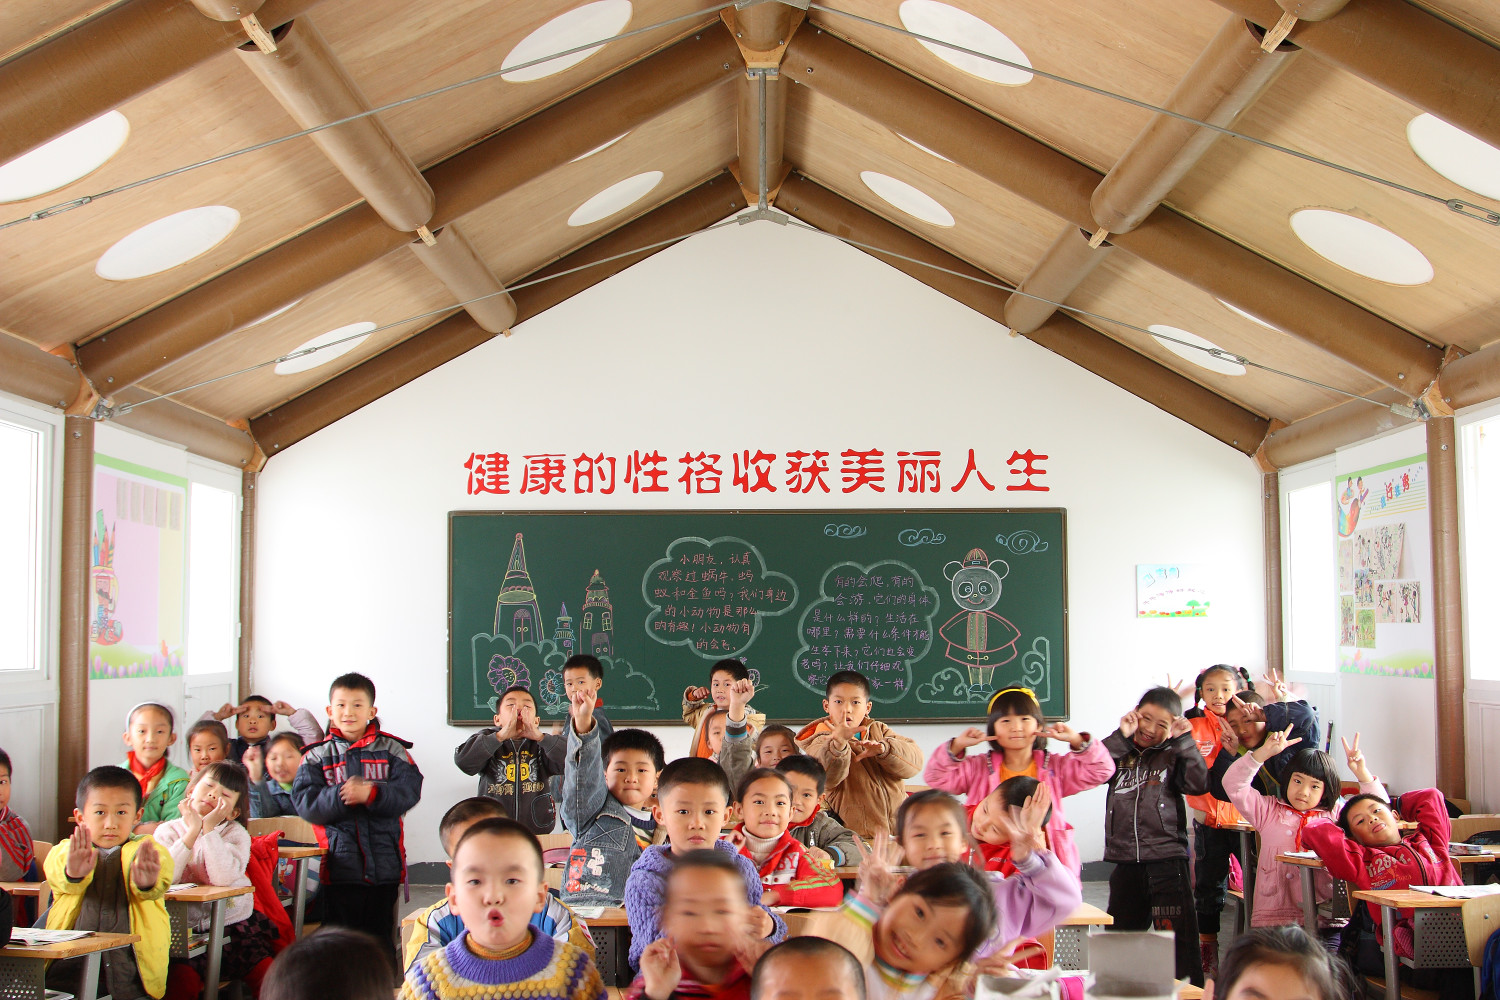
x: 938, y: 608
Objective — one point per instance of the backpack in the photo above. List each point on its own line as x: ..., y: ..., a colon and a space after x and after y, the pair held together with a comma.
x: 1489, y: 970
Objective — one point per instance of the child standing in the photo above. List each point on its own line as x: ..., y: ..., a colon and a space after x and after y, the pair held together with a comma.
x: 582, y: 672
x: 1018, y: 734
x: 606, y: 802
x: 515, y: 761
x: 787, y: 873
x: 17, y: 860
x: 104, y: 878
x: 255, y: 721
x: 357, y: 784
x: 209, y: 845
x: 867, y: 763
x: 692, y: 797
x: 1145, y: 824
x: 811, y: 824
x: 700, y: 704
x: 498, y: 884
x: 150, y: 730
x: 271, y: 778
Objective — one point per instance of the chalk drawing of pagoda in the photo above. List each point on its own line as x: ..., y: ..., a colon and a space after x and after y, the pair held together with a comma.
x: 517, y: 613
x: 596, y: 628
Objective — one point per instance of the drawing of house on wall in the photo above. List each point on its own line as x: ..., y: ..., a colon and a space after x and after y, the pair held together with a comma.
x: 516, y: 611
x: 562, y: 632
x: 597, y: 628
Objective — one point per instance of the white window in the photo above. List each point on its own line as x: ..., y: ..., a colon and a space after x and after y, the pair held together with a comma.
x: 1481, y: 540
x: 25, y: 530
x: 213, y: 576
x: 1309, y: 575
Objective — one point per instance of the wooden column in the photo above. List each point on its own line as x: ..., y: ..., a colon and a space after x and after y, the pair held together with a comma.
x: 73, y: 607
x: 1270, y: 524
x: 247, y: 582
x: 1447, y: 608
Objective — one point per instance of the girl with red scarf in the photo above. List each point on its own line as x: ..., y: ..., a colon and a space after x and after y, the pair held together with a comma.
x: 150, y: 729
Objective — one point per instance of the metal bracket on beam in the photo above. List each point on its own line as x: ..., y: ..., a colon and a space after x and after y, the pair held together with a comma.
x: 795, y: 4
x: 768, y: 214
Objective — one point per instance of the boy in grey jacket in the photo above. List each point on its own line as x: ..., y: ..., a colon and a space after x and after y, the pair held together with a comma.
x: 1145, y: 824
x: 606, y: 803
x: 515, y: 762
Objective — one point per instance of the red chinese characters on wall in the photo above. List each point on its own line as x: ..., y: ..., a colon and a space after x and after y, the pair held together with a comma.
x: 815, y: 471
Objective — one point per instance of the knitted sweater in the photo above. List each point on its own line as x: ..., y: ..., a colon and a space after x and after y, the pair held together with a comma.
x: 438, y: 926
x: 16, y: 858
x: 546, y: 970
x: 217, y: 857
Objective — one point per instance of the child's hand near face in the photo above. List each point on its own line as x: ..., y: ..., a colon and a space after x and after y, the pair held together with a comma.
x: 866, y: 748
x: 192, y: 821
x: 740, y: 693
x: 1129, y: 723
x: 1181, y: 726
x: 227, y: 711
x: 695, y: 694
x: 146, y: 868
x: 1275, y: 743
x: 1026, y: 826
x: 878, y: 880
x: 254, y: 762
x: 971, y: 737
x: 282, y: 708
x: 1064, y: 733
x: 81, y: 854
x: 758, y: 923
x: 661, y: 969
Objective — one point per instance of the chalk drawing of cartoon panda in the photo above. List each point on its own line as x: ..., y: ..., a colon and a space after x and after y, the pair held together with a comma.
x: 977, y: 637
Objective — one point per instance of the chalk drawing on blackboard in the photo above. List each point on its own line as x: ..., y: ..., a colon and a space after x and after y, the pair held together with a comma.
x: 711, y: 594
x: 875, y: 619
x: 507, y: 672
x: 977, y: 637
x: 844, y: 530
x: 1022, y: 542
x: 1036, y: 668
x: 596, y: 629
x: 517, y: 613
x: 625, y: 688
x: 499, y: 662
x: 950, y: 686
x: 912, y: 537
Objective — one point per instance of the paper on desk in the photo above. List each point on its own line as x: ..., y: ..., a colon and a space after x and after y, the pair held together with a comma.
x: 1459, y: 891
x: 181, y: 885
x: 589, y: 912
x: 33, y: 936
x: 1301, y: 854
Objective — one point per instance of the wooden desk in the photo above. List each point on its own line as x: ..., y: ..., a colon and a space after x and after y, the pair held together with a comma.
x: 1463, y: 862
x: 300, y: 857
x: 1070, y: 939
x: 39, y: 891
x: 23, y: 971
x: 217, y: 898
x: 1392, y: 900
x: 611, y: 933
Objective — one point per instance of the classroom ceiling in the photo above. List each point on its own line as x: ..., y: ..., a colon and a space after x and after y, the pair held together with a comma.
x: 993, y: 175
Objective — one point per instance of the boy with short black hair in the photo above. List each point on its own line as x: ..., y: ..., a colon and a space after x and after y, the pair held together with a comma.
x: 516, y: 761
x: 584, y: 672
x: 811, y: 825
x: 867, y: 762
x: 606, y: 802
x: 1145, y: 824
x: 255, y: 722
x: 17, y: 860
x: 808, y: 968
x: 357, y: 784
x: 692, y: 797
x: 104, y: 878
x: 701, y: 704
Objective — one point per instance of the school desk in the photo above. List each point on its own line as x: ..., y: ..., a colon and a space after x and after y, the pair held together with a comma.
x: 39, y: 891
x: 611, y: 933
x: 300, y: 857
x: 1438, y: 932
x: 1070, y: 940
x: 1463, y: 862
x: 183, y: 944
x: 23, y: 970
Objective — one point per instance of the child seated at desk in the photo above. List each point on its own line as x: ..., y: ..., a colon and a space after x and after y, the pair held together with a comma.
x: 814, y: 829
x: 496, y: 888
x: 705, y: 951
x: 789, y: 877
x: 335, y: 962
x: 209, y: 845
x: 17, y: 861
x: 272, y: 767
x: 439, y: 924
x: 107, y: 878
x: 207, y: 742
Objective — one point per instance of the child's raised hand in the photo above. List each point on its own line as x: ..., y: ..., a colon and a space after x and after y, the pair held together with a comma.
x: 1129, y: 722
x: 696, y: 694
x: 971, y: 737
x: 1064, y: 733
x: 878, y: 881
x: 1276, y: 741
x: 1275, y: 682
x: 255, y: 763
x: 81, y: 853
x: 740, y: 693
x: 1253, y: 712
x: 146, y: 868
x: 226, y: 711
x: 221, y: 811
x: 660, y: 969
x: 1181, y: 726
x: 1228, y: 739
x: 1356, y: 758
x: 1184, y: 689
x: 581, y: 710
x: 282, y: 708
x: 749, y: 951
x: 1025, y: 827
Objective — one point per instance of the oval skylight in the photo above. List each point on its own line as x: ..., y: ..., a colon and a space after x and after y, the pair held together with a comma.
x: 950, y: 24
x: 1250, y: 316
x: 1200, y: 358
x: 1457, y: 155
x: 599, y: 149
x: 161, y: 245
x: 1362, y: 247
x: 901, y: 195
x: 615, y: 198
x: 591, y: 22
x: 357, y: 332
x: 65, y: 159
x: 273, y: 314
x: 929, y: 152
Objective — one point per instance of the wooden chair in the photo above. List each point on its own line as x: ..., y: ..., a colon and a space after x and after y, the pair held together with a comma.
x: 1481, y: 920
x: 1466, y: 826
x: 293, y: 828
x: 553, y: 841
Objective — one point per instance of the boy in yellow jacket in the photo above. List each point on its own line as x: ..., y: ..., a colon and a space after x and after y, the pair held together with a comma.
x: 104, y: 878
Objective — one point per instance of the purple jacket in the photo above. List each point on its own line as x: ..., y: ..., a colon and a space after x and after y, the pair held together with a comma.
x: 1039, y: 896
x: 646, y: 894
x: 976, y: 776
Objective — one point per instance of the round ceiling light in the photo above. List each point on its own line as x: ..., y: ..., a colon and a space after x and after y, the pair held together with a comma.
x: 1250, y: 316
x: 161, y: 245
x: 568, y: 30
x: 958, y: 27
x: 615, y: 198
x: 901, y: 195
x: 357, y: 333
x: 62, y: 161
x: 1202, y: 358
x: 1362, y: 247
x: 929, y: 152
x: 1457, y: 155
x: 599, y: 149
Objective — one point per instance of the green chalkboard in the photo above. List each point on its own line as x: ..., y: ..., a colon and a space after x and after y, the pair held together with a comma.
x: 797, y: 595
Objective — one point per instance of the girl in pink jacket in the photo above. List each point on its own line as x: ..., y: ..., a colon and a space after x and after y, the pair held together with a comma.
x: 1309, y: 795
x: 1017, y: 732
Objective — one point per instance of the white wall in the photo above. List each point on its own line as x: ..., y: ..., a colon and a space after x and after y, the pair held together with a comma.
x: 838, y: 350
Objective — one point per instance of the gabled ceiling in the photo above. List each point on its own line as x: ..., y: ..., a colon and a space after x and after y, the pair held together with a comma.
x: 328, y: 232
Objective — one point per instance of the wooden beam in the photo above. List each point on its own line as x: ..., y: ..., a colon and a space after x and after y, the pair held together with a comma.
x: 32, y: 373
x: 704, y: 205
x: 326, y: 252
x: 1177, y: 245
x: 1320, y: 434
x: 248, y: 498
x: 1473, y: 378
x: 1447, y: 606
x: 73, y: 613
x: 196, y: 431
x: 1089, y: 349
x: 97, y: 66
x: 1070, y: 259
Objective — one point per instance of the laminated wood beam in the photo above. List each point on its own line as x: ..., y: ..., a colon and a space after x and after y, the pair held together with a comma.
x: 32, y: 373
x: 1320, y: 434
x: 1166, y: 240
x: 1089, y: 349
x: 1473, y: 378
x: 74, y: 593
x: 337, y: 247
x: 248, y: 497
x: 455, y: 262
x: 282, y: 427
x: 1068, y: 261
x: 1447, y: 606
x: 107, y: 60
x: 198, y: 432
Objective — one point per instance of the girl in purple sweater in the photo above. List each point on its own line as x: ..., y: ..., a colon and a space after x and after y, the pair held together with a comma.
x: 1018, y: 734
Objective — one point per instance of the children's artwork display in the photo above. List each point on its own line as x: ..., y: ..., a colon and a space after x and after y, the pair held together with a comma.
x: 937, y: 608
x: 1168, y: 590
x: 1384, y: 562
x: 138, y: 571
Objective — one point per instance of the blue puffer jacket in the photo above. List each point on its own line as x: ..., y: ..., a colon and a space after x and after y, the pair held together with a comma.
x: 364, y: 842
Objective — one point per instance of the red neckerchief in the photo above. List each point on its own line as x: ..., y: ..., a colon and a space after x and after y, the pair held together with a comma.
x: 371, y: 731
x: 1302, y: 821
x: 146, y: 776
x: 810, y: 817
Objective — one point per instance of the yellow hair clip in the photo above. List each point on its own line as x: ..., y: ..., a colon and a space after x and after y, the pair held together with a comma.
x: 1026, y: 690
